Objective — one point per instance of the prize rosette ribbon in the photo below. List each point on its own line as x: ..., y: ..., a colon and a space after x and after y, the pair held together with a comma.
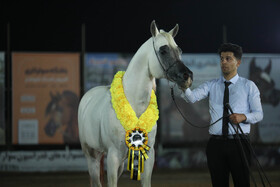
x: 136, y: 141
x: 137, y: 129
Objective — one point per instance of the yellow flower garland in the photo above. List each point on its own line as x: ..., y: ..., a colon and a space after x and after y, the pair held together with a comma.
x: 124, y: 111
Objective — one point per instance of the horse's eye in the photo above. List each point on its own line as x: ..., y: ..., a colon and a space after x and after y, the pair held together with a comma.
x: 163, y: 49
x: 163, y: 52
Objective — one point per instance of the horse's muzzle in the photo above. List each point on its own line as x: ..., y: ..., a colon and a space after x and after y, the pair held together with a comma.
x: 188, y: 76
x: 181, y: 75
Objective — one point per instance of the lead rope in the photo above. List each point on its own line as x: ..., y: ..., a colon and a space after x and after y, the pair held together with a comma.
x: 243, y: 155
x: 259, y: 167
x: 190, y: 123
x: 172, y: 92
x: 242, y: 150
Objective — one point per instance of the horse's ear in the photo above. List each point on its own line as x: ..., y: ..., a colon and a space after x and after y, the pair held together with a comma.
x: 268, y: 67
x: 154, y: 29
x: 174, y: 31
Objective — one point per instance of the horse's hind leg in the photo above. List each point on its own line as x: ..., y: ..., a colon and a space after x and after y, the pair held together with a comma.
x: 93, y: 160
x: 94, y: 172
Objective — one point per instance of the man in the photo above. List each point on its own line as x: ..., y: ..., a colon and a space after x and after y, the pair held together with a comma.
x: 224, y: 153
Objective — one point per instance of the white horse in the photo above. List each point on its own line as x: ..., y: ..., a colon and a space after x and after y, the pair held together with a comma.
x: 99, y: 129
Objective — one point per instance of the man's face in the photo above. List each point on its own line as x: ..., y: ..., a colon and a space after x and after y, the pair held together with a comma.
x: 229, y: 63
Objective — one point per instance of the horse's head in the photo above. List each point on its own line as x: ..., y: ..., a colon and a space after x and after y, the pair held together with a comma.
x: 61, y: 111
x: 168, y: 56
x: 54, y: 112
x: 265, y: 83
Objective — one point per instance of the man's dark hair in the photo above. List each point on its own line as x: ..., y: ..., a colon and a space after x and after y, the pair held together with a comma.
x: 229, y: 47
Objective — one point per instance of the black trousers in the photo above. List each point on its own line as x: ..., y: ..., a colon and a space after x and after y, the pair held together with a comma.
x: 224, y: 157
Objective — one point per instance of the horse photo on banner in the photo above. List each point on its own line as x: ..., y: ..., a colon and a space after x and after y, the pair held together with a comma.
x: 46, y: 92
x: 263, y: 69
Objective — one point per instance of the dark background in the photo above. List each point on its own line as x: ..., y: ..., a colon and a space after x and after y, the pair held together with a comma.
x: 122, y: 26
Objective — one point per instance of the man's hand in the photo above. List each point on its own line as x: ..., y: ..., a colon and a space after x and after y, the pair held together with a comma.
x: 237, y: 118
x: 183, y: 87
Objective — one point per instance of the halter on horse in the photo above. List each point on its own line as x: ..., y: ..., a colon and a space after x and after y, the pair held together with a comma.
x: 100, y: 131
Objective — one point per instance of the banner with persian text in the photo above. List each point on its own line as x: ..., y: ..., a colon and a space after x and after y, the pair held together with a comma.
x: 43, y: 161
x: 45, y: 98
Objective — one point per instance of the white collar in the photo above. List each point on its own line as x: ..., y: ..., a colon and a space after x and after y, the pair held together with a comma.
x: 233, y: 80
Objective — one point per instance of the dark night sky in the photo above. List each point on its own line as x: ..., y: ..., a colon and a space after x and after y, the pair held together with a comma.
x: 122, y: 26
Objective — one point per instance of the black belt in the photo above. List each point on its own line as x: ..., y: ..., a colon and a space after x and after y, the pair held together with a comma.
x: 230, y: 137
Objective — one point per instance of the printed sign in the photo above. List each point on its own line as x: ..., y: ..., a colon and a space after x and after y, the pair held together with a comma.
x: 43, y: 161
x: 46, y: 92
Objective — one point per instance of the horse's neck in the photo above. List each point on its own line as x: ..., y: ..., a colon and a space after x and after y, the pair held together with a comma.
x: 137, y: 81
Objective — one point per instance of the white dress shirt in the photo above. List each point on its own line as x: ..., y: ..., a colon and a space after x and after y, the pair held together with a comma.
x: 244, y: 98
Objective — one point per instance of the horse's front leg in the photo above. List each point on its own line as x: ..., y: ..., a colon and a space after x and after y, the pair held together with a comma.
x: 148, y: 169
x: 113, y: 164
